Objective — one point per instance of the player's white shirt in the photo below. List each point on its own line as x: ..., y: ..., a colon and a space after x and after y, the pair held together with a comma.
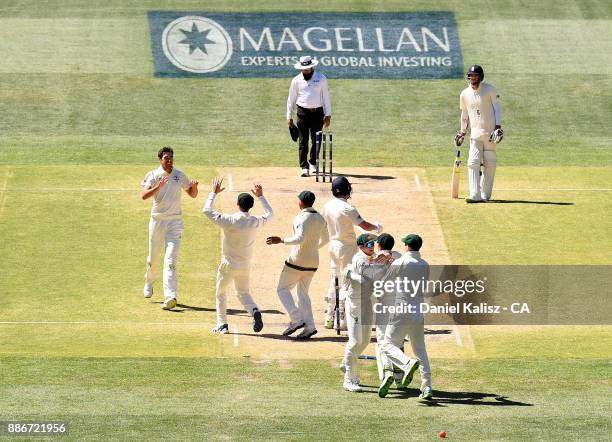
x: 238, y: 231
x: 360, y: 260
x: 309, y: 94
x: 482, y: 107
x: 410, y: 265
x: 167, y: 200
x: 341, y: 216
x: 309, y: 234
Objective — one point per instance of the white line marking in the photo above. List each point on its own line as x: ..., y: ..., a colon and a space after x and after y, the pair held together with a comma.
x: 98, y: 323
x: 230, y: 182
x: 3, y: 192
x: 235, y: 336
x: 457, y: 335
x: 417, y: 182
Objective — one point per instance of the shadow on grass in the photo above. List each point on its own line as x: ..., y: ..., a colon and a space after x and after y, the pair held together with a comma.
x: 444, y: 398
x: 549, y: 203
x: 183, y: 307
x: 293, y: 338
x: 372, y: 177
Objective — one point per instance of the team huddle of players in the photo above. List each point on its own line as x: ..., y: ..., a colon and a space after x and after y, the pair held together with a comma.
x: 334, y: 228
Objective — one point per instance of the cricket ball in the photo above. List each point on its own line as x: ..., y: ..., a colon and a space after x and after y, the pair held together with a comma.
x: 442, y: 434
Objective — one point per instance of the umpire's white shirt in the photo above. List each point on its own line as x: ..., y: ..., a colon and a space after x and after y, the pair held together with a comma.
x: 309, y: 234
x: 341, y: 216
x: 238, y: 231
x: 482, y: 108
x: 167, y: 201
x: 309, y: 94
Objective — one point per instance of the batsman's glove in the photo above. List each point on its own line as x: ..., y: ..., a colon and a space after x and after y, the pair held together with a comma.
x: 459, y: 138
x: 497, y: 135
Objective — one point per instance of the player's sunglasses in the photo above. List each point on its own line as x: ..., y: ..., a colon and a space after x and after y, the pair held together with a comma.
x: 370, y: 243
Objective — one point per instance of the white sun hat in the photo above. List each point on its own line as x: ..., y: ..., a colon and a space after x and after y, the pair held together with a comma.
x: 306, y: 62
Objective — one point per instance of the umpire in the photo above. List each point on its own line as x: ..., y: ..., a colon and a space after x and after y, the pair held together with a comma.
x: 309, y: 91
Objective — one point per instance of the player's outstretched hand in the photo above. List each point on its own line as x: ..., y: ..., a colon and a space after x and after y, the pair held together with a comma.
x: 193, y: 183
x: 257, y: 190
x: 217, y: 185
x: 273, y: 240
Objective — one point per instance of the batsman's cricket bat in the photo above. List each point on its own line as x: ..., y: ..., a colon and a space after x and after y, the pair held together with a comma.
x: 456, y: 176
x: 337, y: 309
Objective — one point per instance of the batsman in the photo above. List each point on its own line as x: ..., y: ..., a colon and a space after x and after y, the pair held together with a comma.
x: 479, y: 103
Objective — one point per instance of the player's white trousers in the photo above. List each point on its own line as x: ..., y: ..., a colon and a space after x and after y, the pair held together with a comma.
x: 164, y: 234
x: 289, y: 279
x: 358, y: 337
x: 341, y: 255
x: 240, y: 277
x: 482, y: 151
x: 382, y: 322
x: 395, y: 333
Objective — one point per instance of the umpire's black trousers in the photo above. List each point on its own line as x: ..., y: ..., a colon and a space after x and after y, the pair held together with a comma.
x: 309, y: 122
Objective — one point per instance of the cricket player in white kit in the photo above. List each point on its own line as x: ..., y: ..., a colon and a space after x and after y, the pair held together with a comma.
x: 309, y: 235
x: 341, y: 217
x: 359, y: 318
x: 164, y: 184
x: 479, y: 103
x: 405, y: 323
x: 238, y: 241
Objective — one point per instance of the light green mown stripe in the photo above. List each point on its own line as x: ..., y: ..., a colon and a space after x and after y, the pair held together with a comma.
x: 544, y: 46
x: 488, y: 9
x: 72, y: 45
x: 122, y: 45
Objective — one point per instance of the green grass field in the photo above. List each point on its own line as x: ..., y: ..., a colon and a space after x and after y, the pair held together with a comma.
x: 82, y: 119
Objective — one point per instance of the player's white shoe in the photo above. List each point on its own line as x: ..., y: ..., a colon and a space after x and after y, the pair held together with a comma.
x: 386, y: 383
x: 293, y: 327
x: 169, y: 304
x: 148, y: 290
x: 307, y: 333
x: 427, y: 394
x: 304, y: 173
x: 312, y: 168
x: 409, y: 372
x: 352, y: 386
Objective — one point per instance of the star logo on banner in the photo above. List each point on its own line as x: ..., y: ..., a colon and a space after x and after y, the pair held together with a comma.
x: 196, y: 44
x: 196, y: 39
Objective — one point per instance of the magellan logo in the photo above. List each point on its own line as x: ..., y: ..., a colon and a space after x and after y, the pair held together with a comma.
x: 393, y: 45
x: 196, y: 44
